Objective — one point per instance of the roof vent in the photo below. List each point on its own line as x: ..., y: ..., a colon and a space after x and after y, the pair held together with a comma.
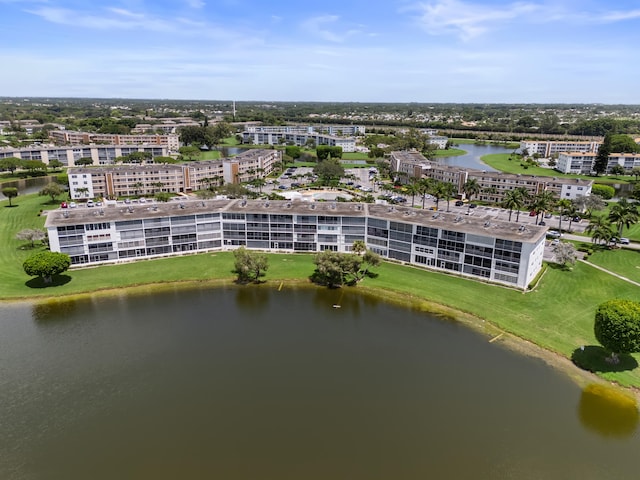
x: 487, y: 224
x: 266, y: 204
x: 182, y: 206
x: 312, y: 206
x: 65, y: 214
x: 435, y: 215
x: 458, y: 219
x: 522, y: 228
x: 243, y: 203
x: 130, y: 209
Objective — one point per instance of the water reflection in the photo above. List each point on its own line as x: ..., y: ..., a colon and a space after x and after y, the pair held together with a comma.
x: 252, y: 298
x: 608, y: 411
x: 54, y: 311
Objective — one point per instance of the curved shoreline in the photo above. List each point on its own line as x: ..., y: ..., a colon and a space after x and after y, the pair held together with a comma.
x: 517, y: 344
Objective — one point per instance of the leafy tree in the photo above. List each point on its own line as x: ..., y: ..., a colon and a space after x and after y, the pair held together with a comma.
x: 618, y: 170
x: 602, y: 158
x: 33, y: 165
x: 543, y: 202
x: 564, y: 205
x: 55, y: 164
x: 617, y: 327
x: 162, y: 196
x: 565, y: 253
x: 31, y: 235
x: 413, y: 188
x: 512, y: 201
x: 10, y: 192
x: 161, y: 159
x: 11, y: 164
x: 624, y: 214
x: 590, y: 204
x: 249, y: 265
x: 448, y: 191
x: 83, y: 162
x: 635, y: 193
x: 46, y: 265
x: 621, y: 143
x: 329, y: 171
x: 52, y: 189
x: 635, y: 171
x: 335, y: 269
x: 293, y: 151
x: 190, y: 152
x: 605, y: 191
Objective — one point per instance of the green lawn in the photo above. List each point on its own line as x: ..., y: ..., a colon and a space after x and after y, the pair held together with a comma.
x: 210, y: 155
x: 355, y: 156
x: 557, y: 315
x: 230, y: 141
x: 500, y: 161
x: 451, y: 152
x: 621, y: 261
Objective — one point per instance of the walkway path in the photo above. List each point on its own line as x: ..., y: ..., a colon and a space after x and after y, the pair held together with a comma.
x: 611, y: 273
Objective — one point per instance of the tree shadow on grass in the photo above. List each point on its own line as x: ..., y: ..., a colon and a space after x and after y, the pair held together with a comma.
x: 57, y: 281
x: 594, y: 358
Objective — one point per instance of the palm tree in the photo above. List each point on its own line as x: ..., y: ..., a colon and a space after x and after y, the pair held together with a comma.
x: 413, y: 189
x: 426, y: 186
x: 471, y: 188
x: 600, y: 229
x: 563, y: 205
x: 523, y: 193
x: 512, y: 200
x: 448, y: 191
x: 542, y: 202
x: 623, y: 214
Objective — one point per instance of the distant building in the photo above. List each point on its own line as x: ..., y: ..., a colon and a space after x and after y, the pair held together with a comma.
x: 67, y: 137
x: 583, y: 163
x: 298, y: 135
x: 68, y: 155
x: 494, y: 185
x: 548, y: 148
x: 132, y: 180
x: 477, y: 247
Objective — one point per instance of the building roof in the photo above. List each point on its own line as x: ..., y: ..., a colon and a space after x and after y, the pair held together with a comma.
x: 476, y: 224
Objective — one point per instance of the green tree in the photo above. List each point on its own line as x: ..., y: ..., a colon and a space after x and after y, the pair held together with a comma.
x: 190, y: 153
x: 249, y: 265
x: 55, y: 164
x: 564, y: 205
x: 11, y: 164
x: 624, y: 214
x: 335, y: 269
x: 617, y: 327
x: 543, y: 202
x: 83, y: 162
x: 162, y: 196
x: 46, y: 265
x: 413, y: 188
x: 52, y: 190
x: 621, y: 143
x: 618, y: 170
x: 31, y: 235
x: 635, y: 171
x: 329, y: 171
x: 565, y: 253
x: 512, y: 201
x: 448, y: 191
x: 10, y: 192
x: 471, y: 188
x: 602, y: 158
x: 293, y: 151
x: 600, y: 230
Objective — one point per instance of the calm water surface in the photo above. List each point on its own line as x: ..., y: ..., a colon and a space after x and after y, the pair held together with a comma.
x: 472, y: 158
x: 255, y: 383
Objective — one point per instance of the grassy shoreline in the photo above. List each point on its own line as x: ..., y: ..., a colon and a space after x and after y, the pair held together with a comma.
x: 557, y: 315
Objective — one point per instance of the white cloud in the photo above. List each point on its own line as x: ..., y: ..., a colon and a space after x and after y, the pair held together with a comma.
x: 319, y: 27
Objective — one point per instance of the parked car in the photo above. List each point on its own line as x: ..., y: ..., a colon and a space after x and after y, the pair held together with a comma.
x: 542, y: 223
x: 73, y: 205
x: 472, y: 205
x: 554, y: 234
x: 64, y: 205
x: 548, y: 215
x: 555, y: 241
x: 624, y: 241
x: 532, y: 213
x: 90, y: 203
x: 459, y: 203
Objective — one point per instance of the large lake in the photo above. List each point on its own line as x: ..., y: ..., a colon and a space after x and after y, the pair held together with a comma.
x: 257, y: 383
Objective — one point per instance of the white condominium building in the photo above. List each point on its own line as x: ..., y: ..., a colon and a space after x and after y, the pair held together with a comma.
x: 100, y: 154
x: 472, y: 246
x: 171, y: 141
x: 549, y: 148
x: 583, y: 163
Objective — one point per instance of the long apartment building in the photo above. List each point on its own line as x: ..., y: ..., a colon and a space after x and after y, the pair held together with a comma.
x: 583, y: 163
x: 68, y: 155
x: 494, y: 185
x: 548, y: 148
x: 482, y: 248
x: 68, y: 137
x: 295, y: 135
x: 131, y: 180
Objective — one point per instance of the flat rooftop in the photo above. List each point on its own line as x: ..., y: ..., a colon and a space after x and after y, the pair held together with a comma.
x: 473, y: 224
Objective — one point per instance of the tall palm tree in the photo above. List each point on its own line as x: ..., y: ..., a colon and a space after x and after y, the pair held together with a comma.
x: 448, y: 192
x: 600, y: 229
x: 512, y: 201
x: 426, y: 186
x: 542, y: 202
x: 624, y: 214
x: 523, y: 193
x: 471, y: 188
x: 564, y: 206
x: 413, y: 189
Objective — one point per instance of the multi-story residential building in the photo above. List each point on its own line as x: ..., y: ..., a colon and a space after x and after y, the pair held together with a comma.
x: 295, y: 135
x: 439, y: 141
x: 494, y: 185
x: 550, y: 148
x: 482, y: 248
x: 100, y: 154
x: 129, y: 180
x: 67, y: 137
x: 583, y: 163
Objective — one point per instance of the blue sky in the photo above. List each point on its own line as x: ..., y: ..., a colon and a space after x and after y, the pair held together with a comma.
x: 352, y: 50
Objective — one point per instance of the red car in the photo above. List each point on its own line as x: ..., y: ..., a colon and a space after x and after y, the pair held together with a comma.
x: 532, y: 213
x: 63, y: 205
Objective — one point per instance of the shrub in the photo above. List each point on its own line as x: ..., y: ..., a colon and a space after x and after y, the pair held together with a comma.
x: 605, y: 191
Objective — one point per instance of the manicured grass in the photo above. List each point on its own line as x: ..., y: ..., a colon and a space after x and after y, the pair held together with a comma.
x: 230, y: 141
x: 210, y: 155
x: 557, y: 315
x: 452, y: 152
x: 500, y: 161
x: 621, y: 261
x: 355, y: 156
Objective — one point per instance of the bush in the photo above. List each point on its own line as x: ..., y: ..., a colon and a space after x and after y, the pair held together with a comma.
x: 617, y: 326
x: 605, y: 191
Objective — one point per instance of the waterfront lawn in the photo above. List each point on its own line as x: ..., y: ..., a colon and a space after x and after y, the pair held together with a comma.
x: 209, y: 155
x: 451, y: 152
x: 501, y: 162
x: 557, y: 315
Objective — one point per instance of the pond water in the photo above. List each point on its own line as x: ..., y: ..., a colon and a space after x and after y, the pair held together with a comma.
x: 257, y: 383
x: 472, y: 158
x: 26, y: 186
